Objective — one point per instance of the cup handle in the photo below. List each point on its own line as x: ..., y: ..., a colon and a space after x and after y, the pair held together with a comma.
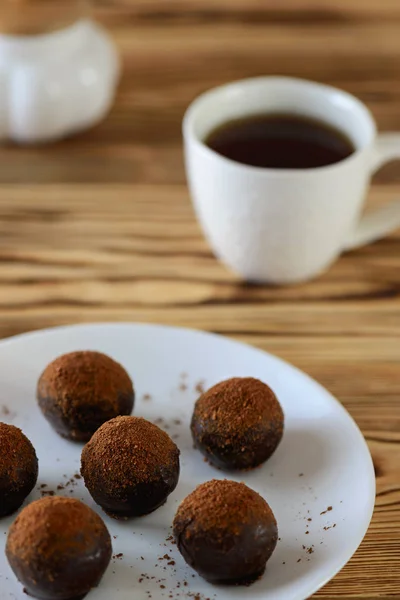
x: 378, y: 223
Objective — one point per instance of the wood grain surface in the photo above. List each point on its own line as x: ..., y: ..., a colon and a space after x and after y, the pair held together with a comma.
x: 100, y: 227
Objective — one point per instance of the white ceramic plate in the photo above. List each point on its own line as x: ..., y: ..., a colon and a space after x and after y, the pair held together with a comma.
x: 323, y: 460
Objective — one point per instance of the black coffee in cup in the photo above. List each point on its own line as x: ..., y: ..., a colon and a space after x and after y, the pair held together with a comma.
x: 280, y: 141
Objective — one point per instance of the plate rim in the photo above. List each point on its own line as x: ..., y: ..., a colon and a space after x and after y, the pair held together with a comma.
x: 207, y: 334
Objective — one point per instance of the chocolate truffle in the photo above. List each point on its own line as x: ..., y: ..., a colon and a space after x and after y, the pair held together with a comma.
x: 226, y: 532
x: 130, y: 467
x: 238, y: 423
x: 58, y: 548
x: 80, y: 391
x: 18, y: 468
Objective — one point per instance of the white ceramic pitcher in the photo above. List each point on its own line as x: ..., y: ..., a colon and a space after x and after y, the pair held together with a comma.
x: 58, y: 70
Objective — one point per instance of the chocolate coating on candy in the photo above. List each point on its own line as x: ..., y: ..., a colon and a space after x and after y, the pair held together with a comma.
x: 238, y: 423
x: 18, y: 468
x: 80, y: 391
x: 58, y: 548
x: 226, y: 532
x: 130, y: 467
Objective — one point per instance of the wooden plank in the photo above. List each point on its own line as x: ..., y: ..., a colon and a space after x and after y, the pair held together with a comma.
x: 311, y: 12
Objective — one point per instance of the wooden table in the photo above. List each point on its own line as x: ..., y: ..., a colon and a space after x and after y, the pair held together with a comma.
x: 100, y: 227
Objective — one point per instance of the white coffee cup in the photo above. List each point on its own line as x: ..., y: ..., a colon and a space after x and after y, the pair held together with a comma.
x: 286, y: 225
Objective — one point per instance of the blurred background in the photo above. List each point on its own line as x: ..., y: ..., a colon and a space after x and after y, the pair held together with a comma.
x: 99, y: 227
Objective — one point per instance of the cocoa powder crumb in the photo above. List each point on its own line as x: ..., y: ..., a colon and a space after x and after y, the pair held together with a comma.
x: 146, y: 397
x: 327, y: 510
x: 199, y: 388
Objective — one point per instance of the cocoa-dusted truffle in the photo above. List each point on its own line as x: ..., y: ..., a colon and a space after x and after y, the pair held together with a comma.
x: 58, y: 548
x: 226, y: 532
x: 238, y: 423
x: 130, y: 467
x: 80, y: 391
x: 18, y: 468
